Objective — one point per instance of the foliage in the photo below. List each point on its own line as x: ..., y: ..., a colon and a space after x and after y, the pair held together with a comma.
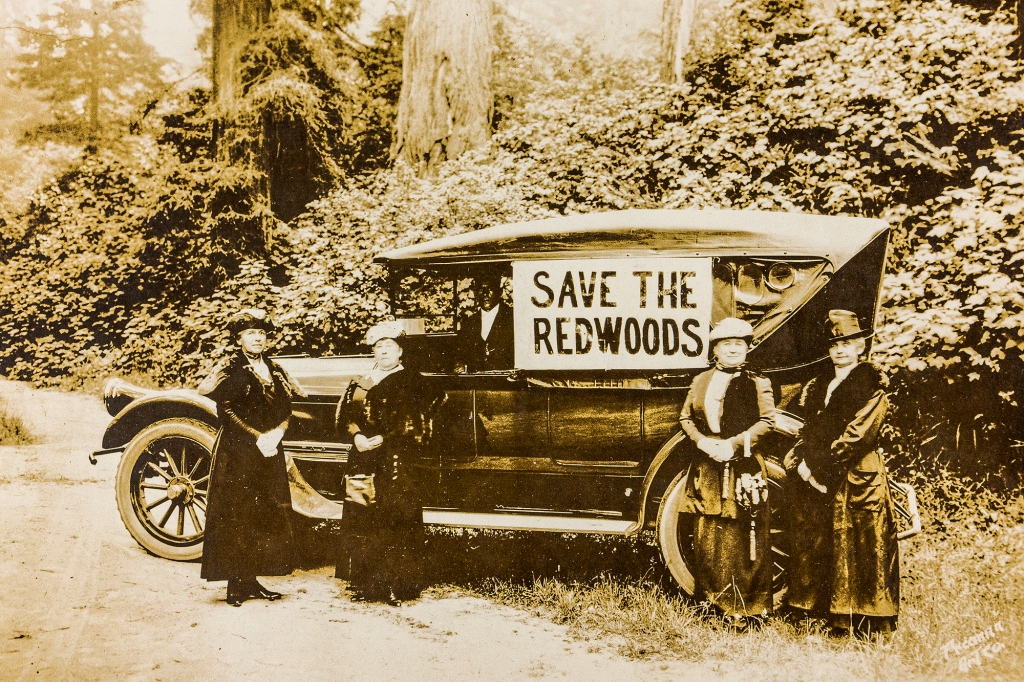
x: 309, y: 116
x: 88, y: 57
x: 904, y: 110
x: 12, y: 429
x: 955, y: 319
x: 110, y: 243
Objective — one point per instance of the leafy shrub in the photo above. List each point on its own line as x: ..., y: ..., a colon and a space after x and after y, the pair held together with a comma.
x: 12, y: 429
x: 903, y: 110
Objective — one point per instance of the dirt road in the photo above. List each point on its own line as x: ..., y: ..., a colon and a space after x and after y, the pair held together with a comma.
x: 80, y: 600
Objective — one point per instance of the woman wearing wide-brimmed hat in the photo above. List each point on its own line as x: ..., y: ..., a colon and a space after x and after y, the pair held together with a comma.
x: 727, y: 411
x: 248, y: 525
x: 844, y: 563
x: 389, y: 431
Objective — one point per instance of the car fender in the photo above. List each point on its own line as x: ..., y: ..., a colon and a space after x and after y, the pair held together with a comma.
x: 140, y: 413
x: 669, y: 461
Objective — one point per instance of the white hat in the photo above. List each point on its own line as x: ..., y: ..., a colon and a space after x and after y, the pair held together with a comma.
x: 731, y: 328
x: 389, y: 329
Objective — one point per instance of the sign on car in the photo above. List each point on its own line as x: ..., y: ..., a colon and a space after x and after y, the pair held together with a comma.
x: 612, y: 313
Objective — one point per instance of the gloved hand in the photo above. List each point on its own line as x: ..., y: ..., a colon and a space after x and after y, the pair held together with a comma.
x: 716, y: 449
x: 363, y: 443
x: 805, y: 473
x: 268, y: 442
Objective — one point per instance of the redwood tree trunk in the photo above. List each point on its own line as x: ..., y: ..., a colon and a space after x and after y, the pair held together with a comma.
x: 95, y: 71
x: 446, y: 104
x: 677, y: 18
x: 235, y: 22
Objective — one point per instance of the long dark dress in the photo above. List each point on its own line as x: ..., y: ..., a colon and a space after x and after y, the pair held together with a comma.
x: 724, y: 571
x: 248, y: 527
x: 845, y: 555
x: 386, y: 539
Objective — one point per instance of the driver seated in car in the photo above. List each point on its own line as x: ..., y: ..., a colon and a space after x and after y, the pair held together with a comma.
x: 486, y: 338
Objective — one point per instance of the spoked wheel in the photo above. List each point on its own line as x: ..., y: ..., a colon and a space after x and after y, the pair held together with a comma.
x: 675, y: 537
x: 162, y: 484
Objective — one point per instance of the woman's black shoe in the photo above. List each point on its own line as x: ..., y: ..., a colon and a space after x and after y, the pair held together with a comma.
x: 236, y: 593
x: 257, y: 591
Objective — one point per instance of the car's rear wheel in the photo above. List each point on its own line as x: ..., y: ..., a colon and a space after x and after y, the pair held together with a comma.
x: 675, y: 537
x: 162, y: 483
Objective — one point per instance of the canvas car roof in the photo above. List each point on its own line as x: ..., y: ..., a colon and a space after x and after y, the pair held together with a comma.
x: 647, y: 232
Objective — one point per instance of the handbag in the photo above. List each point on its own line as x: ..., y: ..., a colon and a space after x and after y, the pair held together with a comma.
x: 359, y: 488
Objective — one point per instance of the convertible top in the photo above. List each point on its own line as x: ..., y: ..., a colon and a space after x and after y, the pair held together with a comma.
x: 622, y: 234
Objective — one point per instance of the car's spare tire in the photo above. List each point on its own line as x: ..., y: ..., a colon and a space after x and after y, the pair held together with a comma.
x: 161, y: 487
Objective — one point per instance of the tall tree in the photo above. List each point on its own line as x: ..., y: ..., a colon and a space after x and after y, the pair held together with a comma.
x: 89, y: 53
x: 446, y: 104
x: 677, y: 19
x: 235, y: 23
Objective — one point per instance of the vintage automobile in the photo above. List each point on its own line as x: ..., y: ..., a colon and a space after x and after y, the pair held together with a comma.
x: 612, y: 313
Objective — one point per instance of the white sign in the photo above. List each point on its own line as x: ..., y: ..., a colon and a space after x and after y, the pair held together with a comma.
x: 612, y: 313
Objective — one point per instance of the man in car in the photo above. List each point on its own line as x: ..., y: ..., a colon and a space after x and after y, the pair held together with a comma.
x: 845, y: 556
x: 486, y: 338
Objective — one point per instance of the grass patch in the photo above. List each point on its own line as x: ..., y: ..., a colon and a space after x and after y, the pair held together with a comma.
x: 962, y: 576
x: 12, y: 429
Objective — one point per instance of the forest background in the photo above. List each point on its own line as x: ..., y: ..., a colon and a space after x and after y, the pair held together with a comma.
x: 137, y: 212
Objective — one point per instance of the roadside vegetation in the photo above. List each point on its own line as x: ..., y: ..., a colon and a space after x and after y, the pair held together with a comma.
x: 129, y: 261
x: 962, y: 576
x: 12, y: 429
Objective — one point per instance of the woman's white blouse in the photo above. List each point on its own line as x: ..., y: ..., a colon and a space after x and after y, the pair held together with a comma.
x: 713, y: 398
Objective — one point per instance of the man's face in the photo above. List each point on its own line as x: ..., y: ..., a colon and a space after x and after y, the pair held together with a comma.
x: 847, y: 352
x: 488, y: 294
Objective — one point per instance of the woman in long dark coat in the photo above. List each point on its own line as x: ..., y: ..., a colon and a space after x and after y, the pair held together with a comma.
x: 390, y: 430
x: 248, y: 528
x: 844, y: 563
x: 727, y: 411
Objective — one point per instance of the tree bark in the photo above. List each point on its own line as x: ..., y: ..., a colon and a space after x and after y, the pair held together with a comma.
x: 677, y: 18
x: 446, y: 104
x: 235, y: 22
x: 95, y: 73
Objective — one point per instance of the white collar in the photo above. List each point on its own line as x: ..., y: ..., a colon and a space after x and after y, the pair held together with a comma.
x: 843, y: 372
x: 487, y: 318
x: 259, y: 367
x: 377, y: 375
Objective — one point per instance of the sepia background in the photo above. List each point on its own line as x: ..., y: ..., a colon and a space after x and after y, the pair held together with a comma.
x: 155, y: 176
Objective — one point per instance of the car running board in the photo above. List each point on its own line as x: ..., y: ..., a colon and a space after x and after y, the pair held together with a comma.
x: 550, y: 524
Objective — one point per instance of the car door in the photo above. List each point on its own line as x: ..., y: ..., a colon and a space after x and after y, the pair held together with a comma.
x: 510, y: 442
x: 543, y: 448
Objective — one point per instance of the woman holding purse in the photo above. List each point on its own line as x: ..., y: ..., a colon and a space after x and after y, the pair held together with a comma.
x: 248, y: 525
x: 389, y: 431
x: 727, y: 411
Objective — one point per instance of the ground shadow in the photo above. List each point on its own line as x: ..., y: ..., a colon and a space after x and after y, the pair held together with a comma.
x: 470, y: 558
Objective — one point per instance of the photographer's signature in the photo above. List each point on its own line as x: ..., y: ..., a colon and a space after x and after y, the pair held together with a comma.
x: 973, y: 651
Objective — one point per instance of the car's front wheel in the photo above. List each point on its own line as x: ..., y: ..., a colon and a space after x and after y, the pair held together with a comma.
x: 162, y: 483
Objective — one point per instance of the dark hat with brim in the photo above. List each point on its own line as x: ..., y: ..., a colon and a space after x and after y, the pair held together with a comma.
x: 844, y: 325
x: 250, y: 318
